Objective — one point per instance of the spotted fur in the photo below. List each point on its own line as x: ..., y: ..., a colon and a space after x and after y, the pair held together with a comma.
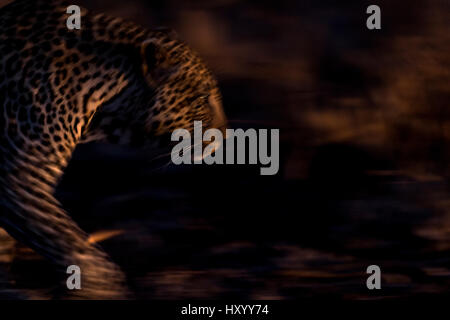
x: 111, y: 80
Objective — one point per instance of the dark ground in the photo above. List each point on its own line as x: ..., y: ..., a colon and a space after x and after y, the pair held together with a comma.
x: 364, y: 174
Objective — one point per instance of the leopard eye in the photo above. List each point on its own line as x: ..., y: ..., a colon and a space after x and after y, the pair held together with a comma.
x: 206, y: 97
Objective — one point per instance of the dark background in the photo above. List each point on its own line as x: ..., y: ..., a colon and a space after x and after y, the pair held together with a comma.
x: 364, y: 120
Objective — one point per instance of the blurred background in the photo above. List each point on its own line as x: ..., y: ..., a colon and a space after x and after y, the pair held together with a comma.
x: 364, y: 120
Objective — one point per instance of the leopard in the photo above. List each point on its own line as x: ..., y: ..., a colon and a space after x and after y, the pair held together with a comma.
x: 112, y: 81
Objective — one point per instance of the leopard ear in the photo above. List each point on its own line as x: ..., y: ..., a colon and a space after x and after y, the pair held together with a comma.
x: 156, y: 64
x: 167, y: 33
x: 151, y: 57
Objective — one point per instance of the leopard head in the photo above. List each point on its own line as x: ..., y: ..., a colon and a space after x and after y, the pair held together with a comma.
x: 185, y: 89
x: 172, y: 88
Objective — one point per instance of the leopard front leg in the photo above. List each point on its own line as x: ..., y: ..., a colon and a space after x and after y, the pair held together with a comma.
x: 32, y: 215
x: 49, y: 231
